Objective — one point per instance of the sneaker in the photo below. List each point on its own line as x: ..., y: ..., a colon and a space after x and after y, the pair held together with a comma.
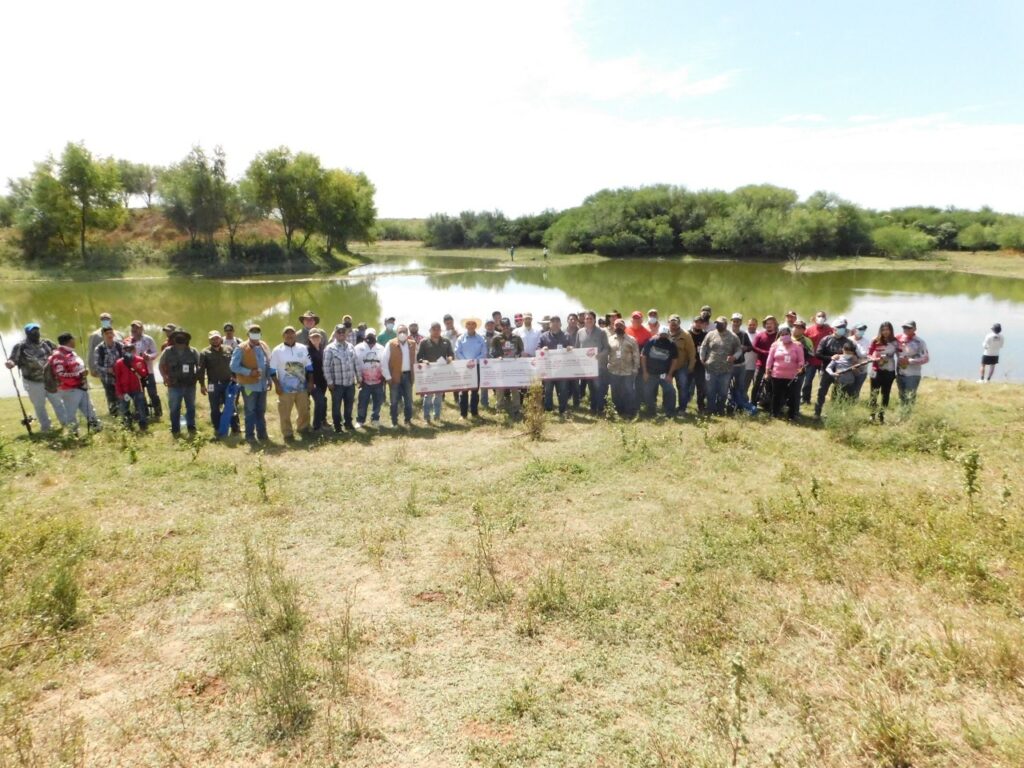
x: 375, y: 424
x: 981, y: 381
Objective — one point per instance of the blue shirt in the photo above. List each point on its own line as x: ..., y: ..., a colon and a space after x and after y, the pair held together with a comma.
x: 471, y: 347
x: 261, y: 363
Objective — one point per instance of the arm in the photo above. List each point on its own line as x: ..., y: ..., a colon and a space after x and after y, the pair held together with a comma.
x: 770, y: 362
x: 385, y: 363
x: 164, y: 369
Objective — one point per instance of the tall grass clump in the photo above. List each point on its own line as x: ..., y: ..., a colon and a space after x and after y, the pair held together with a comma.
x: 533, y: 411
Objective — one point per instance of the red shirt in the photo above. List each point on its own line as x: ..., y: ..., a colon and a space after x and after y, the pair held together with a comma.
x: 68, y: 368
x: 816, y: 333
x: 125, y: 381
x: 641, y: 335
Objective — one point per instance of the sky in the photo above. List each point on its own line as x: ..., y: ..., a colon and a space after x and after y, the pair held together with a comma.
x: 520, y: 106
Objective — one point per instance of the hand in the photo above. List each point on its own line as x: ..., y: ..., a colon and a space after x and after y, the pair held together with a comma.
x: 254, y: 372
x: 277, y: 389
x: 9, y: 363
x: 203, y: 390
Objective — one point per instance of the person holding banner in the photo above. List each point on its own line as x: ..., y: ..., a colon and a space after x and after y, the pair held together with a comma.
x: 590, y: 335
x: 507, y: 345
x: 432, y: 349
x: 470, y: 346
x: 555, y: 338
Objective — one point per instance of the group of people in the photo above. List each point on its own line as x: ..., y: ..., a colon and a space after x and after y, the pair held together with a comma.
x: 724, y: 365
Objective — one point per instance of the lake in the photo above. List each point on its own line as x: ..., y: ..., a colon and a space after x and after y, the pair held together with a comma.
x: 953, y: 311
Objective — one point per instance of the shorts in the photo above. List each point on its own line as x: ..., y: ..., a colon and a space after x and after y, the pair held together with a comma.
x: 989, y: 359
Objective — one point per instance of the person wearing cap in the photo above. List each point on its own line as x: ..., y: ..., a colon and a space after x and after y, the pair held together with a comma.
x: 623, y: 369
x: 370, y: 374
x: 843, y: 368
x: 815, y: 332
x: 750, y: 358
x: 555, y: 339
x: 250, y: 362
x: 592, y: 336
x: 397, y: 365
x: 71, y: 374
x: 146, y: 348
x: 505, y: 345
x: 697, y: 380
x: 799, y: 333
x: 791, y: 318
x: 179, y: 368
x: 108, y: 352
x: 471, y: 346
x: 763, y: 341
x: 738, y: 379
x: 168, y: 330
x: 215, y: 377
x: 341, y: 371
x: 719, y: 350
x: 307, y: 322
x: 913, y: 354
x: 529, y: 335
x: 990, y: 348
x: 130, y: 376
x: 653, y: 326
x: 636, y: 329
x: 705, y: 312
x: 435, y: 349
x: 228, y: 337
x: 291, y: 371
x: 863, y: 342
x: 389, y: 331
x: 782, y: 368
x: 318, y: 394
x: 686, y: 360
x: 658, y: 360
x: 30, y: 358
x: 95, y: 338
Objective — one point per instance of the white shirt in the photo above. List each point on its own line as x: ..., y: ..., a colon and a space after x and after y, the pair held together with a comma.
x: 290, y: 365
x: 992, y: 344
x: 530, y: 337
x: 385, y: 360
x: 369, y: 366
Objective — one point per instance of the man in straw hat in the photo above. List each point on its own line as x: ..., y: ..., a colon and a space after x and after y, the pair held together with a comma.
x: 307, y: 322
x: 470, y: 346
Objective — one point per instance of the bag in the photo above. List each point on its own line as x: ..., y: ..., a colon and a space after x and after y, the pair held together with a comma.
x: 50, y: 382
x: 764, y: 394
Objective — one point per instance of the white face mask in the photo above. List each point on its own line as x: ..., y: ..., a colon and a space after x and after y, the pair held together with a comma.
x: 402, y: 337
x: 819, y: 321
x: 389, y: 326
x: 255, y: 336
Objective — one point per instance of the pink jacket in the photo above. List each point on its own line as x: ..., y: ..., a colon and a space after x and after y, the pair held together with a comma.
x: 785, y: 360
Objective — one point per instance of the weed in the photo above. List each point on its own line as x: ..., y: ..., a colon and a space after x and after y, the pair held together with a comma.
x: 261, y: 479
x: 970, y: 463
x: 731, y: 713
x: 635, y: 447
x: 522, y: 701
x: 194, y: 444
x: 547, y: 593
x: 410, y: 507
x: 485, y: 580
x: 844, y: 421
x: 129, y: 445
x: 891, y: 736
x: 339, y: 644
x: 533, y: 411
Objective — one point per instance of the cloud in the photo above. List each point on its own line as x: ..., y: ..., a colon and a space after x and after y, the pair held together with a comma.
x: 803, y: 118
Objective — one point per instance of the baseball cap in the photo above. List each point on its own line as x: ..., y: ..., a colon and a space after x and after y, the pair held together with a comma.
x: 214, y: 334
x: 910, y: 324
x: 798, y: 323
x: 706, y: 308
x: 784, y: 330
x: 136, y: 324
x: 288, y: 328
x: 105, y: 316
x: 169, y: 328
x: 31, y: 327
x: 637, y: 315
x: 676, y: 318
x: 619, y: 321
x: 737, y: 315
x: 861, y: 326
x: 254, y: 329
x: 721, y: 319
x: 229, y: 327
x: 842, y: 322
x: 370, y: 332
x: 663, y: 331
x: 790, y: 312
x: 652, y: 311
x: 340, y: 327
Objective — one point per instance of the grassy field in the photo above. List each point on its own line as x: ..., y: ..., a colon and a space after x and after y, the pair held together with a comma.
x: 729, y: 592
x: 993, y: 263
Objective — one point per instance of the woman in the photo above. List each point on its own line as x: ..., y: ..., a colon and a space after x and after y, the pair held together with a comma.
x: 762, y: 343
x: 784, y: 364
x: 990, y: 353
x: 319, y: 391
x: 883, y: 350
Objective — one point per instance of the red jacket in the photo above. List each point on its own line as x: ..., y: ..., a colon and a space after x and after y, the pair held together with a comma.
x: 126, y: 380
x: 68, y: 368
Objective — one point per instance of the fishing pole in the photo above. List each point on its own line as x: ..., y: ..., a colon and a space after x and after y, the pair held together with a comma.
x: 26, y: 418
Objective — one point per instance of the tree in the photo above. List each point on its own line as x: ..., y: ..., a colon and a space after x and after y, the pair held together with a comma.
x: 1010, y: 234
x: 44, y: 213
x: 977, y: 237
x: 898, y: 242
x: 94, y: 188
x: 238, y: 207
x: 345, y: 209
x: 193, y: 194
x: 137, y: 179
x: 287, y: 186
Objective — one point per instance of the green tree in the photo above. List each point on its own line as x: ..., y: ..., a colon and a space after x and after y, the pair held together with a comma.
x: 137, y: 179
x: 193, y: 194
x: 94, y: 188
x: 898, y: 242
x: 977, y: 237
x: 44, y: 213
x: 345, y: 209
x: 1010, y: 234
x: 238, y: 206
x: 287, y: 186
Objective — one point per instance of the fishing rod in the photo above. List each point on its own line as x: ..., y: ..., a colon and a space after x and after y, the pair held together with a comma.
x: 26, y: 419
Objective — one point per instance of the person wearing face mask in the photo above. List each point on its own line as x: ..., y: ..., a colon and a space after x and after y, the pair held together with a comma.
x: 623, y: 368
x: 719, y: 350
x: 228, y: 339
x: 913, y: 354
x: 95, y: 338
x: 782, y: 367
x: 370, y: 375
x: 179, y: 368
x: 863, y: 342
x: 829, y: 347
x: 130, y: 375
x: 291, y: 370
x: 815, y: 332
x: 215, y: 377
x: 397, y: 367
x: 435, y: 348
x: 30, y: 358
x: 389, y: 332
x: 659, y: 358
x: 250, y: 362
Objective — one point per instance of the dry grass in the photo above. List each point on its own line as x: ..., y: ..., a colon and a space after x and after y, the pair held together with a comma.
x: 616, y: 594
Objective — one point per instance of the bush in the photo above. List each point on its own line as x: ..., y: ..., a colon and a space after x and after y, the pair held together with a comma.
x: 896, y: 242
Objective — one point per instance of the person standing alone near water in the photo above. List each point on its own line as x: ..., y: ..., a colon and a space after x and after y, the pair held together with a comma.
x: 990, y: 353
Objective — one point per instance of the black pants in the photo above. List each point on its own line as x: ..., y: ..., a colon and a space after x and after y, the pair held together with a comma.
x: 785, y: 393
x: 882, y: 382
x: 469, y: 402
x: 809, y: 373
x: 827, y: 380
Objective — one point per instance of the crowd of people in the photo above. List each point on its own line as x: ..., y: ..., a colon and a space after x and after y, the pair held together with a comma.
x: 646, y: 366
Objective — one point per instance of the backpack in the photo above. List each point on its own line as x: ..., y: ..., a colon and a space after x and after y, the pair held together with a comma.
x: 50, y: 381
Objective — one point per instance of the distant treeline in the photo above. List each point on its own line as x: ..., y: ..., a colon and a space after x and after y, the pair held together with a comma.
x: 761, y: 221
x: 56, y: 208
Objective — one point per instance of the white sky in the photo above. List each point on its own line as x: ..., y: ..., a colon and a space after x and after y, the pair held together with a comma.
x: 449, y: 106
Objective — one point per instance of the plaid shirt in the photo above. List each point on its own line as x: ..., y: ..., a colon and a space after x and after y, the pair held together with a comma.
x: 340, y: 364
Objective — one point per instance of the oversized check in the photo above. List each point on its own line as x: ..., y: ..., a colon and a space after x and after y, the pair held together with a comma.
x: 567, y: 363
x: 445, y: 377
x: 507, y: 372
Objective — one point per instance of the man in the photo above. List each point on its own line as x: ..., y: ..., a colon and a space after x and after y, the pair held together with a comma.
x: 108, y: 352
x: 863, y: 342
x: 215, y: 377
x: 471, y: 346
x: 529, y: 335
x: 798, y: 334
x: 490, y: 331
x: 763, y: 341
x: 555, y: 338
x: 658, y: 361
x: 179, y: 368
x: 168, y: 332
x: 307, y: 322
x: 913, y: 354
x: 291, y: 370
x: 228, y: 339
x: 698, y: 379
x: 360, y: 335
x: 738, y: 382
x: 94, y: 341
x: 435, y: 348
x: 450, y: 332
x: 591, y: 336
x: 250, y: 362
x: 71, y: 374
x: 719, y: 350
x: 518, y: 318
x: 369, y: 355
x: 389, y: 332
x: 639, y: 333
x: 397, y: 367
x: 686, y: 360
x: 414, y: 332
x: 145, y: 347
x: 574, y: 387
x: 130, y: 375
x: 750, y: 358
x: 791, y: 318
x: 31, y: 357
x: 341, y: 367
x: 508, y: 345
x: 818, y: 331
x: 827, y: 348
x: 623, y: 367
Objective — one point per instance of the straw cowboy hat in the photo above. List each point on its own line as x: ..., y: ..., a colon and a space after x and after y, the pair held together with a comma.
x: 467, y: 320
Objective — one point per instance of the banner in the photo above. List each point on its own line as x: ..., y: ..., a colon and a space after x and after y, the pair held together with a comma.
x: 567, y: 363
x: 445, y: 377
x: 507, y: 372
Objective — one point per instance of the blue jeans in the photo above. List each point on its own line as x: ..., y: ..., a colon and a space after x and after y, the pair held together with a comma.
x: 217, y: 395
x: 39, y: 397
x: 401, y: 390
x: 623, y: 394
x: 255, y: 414
x: 432, y: 405
x: 598, y: 389
x: 562, y: 387
x: 738, y: 390
x: 366, y: 393
x: 668, y: 394
x: 141, y: 412
x: 175, y: 397
x: 342, y: 395
x: 717, y: 391
x: 697, y: 383
x: 682, y: 377
x: 319, y: 406
x: 907, y: 386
